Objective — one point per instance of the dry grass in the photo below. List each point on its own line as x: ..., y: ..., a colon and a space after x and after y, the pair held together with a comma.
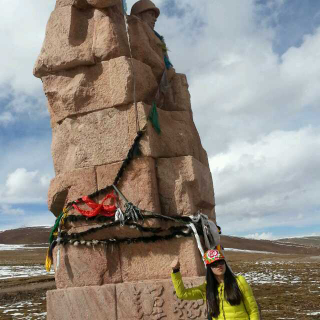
x: 286, y: 287
x: 24, y: 257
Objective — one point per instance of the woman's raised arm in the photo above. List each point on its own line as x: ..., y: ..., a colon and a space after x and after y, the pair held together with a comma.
x: 194, y: 293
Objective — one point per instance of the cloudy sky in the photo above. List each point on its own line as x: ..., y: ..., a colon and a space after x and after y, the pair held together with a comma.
x: 254, y: 74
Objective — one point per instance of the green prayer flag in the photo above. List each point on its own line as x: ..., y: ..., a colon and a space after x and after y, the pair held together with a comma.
x: 55, y: 227
x: 153, y: 117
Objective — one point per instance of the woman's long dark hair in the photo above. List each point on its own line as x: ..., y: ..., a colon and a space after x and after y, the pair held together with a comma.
x: 232, y: 292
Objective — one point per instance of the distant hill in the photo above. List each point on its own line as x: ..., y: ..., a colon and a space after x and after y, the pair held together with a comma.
x: 308, y: 241
x: 307, y: 245
x: 276, y: 246
x: 31, y: 235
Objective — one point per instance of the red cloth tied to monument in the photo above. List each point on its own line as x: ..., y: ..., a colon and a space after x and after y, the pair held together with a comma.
x: 101, y: 209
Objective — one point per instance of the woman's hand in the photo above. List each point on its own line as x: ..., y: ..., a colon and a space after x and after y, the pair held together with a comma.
x: 175, y: 264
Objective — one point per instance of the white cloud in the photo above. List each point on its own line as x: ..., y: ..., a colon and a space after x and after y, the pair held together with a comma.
x: 6, y: 118
x: 22, y: 31
x: 269, y: 183
x: 25, y: 170
x: 261, y: 236
x: 6, y: 209
x: 24, y: 186
x: 34, y: 106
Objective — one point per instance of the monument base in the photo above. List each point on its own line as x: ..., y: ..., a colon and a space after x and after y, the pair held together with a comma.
x: 146, y: 300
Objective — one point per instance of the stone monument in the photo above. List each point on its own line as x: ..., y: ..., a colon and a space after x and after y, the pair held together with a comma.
x: 103, y: 73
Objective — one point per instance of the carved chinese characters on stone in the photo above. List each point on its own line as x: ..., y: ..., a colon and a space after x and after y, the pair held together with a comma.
x: 185, y: 309
x: 146, y: 302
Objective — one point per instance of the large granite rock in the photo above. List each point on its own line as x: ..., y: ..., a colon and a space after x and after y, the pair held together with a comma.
x: 86, y: 303
x: 88, y: 266
x: 147, y: 261
x: 69, y: 187
x: 96, y: 138
x: 110, y: 37
x: 75, y: 144
x: 68, y: 42
x: 104, y: 85
x: 179, y: 137
x: 111, y: 40
x: 177, y: 98
x: 185, y: 186
x: 150, y: 300
x: 138, y: 184
x: 83, y: 266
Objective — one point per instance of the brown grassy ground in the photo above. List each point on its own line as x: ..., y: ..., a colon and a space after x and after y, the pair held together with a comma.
x: 26, y: 257
x: 286, y: 286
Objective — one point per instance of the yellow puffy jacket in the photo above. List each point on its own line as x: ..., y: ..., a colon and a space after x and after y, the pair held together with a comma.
x: 247, y: 309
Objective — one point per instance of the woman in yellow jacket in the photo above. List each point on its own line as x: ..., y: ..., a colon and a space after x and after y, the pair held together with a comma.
x: 228, y: 297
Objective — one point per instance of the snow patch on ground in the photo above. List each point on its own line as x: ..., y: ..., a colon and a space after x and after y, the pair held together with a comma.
x: 272, y: 278
x: 18, y: 310
x: 9, y: 272
x: 248, y: 251
x: 12, y: 247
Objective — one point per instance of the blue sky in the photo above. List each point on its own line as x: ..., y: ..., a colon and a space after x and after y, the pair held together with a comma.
x: 253, y: 70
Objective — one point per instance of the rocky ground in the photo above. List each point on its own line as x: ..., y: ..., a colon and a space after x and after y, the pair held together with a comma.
x: 286, y: 285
